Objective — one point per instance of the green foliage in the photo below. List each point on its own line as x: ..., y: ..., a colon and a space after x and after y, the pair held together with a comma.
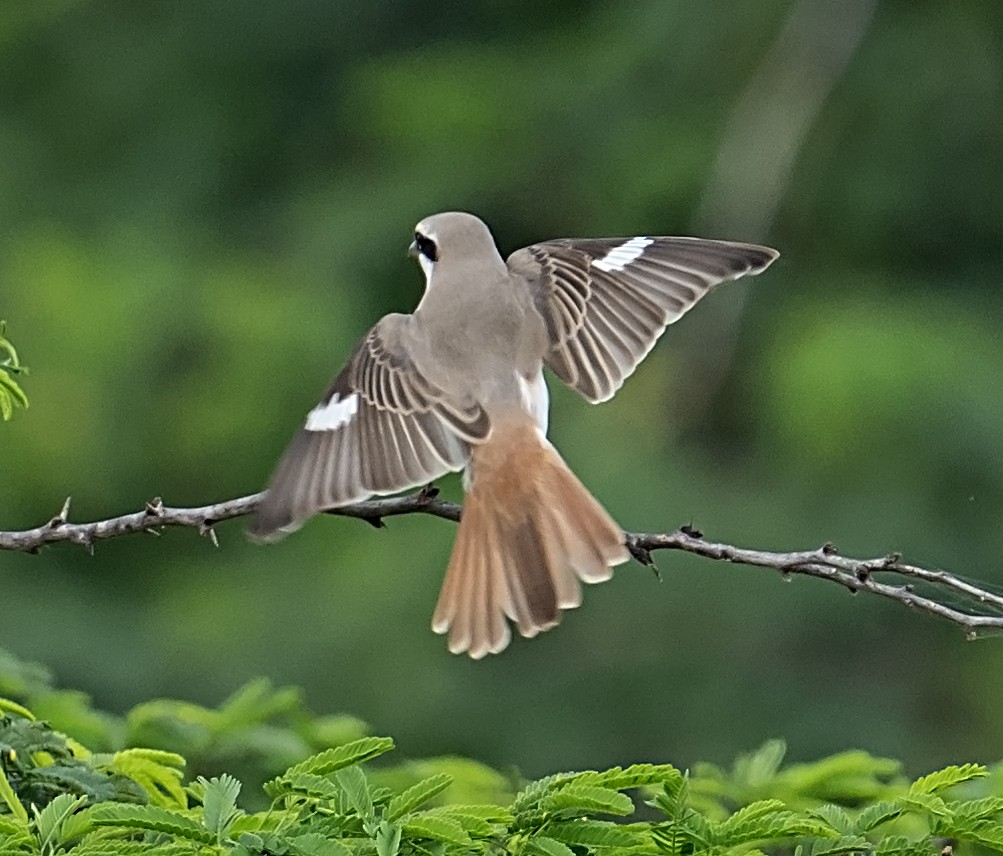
x: 416, y: 795
x: 11, y: 393
x: 57, y: 797
x: 761, y: 774
x: 197, y: 230
x: 40, y: 764
x: 157, y: 772
x: 255, y: 733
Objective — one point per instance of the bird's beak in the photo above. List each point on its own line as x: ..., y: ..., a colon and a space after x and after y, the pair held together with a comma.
x: 413, y: 250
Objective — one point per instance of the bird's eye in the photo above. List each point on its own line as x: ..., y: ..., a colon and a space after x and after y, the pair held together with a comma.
x: 426, y: 246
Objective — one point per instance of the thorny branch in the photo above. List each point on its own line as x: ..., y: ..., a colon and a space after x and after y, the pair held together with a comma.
x: 977, y: 609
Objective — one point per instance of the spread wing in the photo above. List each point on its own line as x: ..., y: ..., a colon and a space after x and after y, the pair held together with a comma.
x: 606, y: 301
x: 381, y: 427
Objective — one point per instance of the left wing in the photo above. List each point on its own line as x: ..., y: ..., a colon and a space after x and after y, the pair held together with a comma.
x: 605, y: 301
x: 381, y: 427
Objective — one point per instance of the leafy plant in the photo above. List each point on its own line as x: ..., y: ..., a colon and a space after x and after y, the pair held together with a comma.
x: 254, y: 734
x: 11, y: 393
x: 58, y: 797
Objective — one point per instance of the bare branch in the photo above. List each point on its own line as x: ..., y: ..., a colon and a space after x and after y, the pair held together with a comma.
x: 155, y: 516
x: 975, y: 608
x: 853, y: 574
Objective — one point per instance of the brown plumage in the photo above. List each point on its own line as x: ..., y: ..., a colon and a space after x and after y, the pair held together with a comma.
x: 459, y: 384
x: 530, y: 531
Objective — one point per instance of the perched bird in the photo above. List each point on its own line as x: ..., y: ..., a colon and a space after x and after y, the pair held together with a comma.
x: 458, y: 385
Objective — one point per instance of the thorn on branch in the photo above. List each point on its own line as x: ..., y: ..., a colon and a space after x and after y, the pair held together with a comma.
x: 641, y: 554
x: 829, y: 549
x: 862, y: 573
x: 154, y: 508
x: 376, y: 522
x: 82, y: 538
x: 206, y: 530
x: 61, y: 518
x: 691, y: 531
x: 892, y: 559
x: 429, y: 491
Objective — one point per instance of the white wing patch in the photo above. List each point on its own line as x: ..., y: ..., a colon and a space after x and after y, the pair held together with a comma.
x: 333, y: 414
x: 619, y: 257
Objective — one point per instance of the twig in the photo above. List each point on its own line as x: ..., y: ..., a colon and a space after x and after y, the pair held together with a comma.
x: 825, y: 563
x: 855, y: 575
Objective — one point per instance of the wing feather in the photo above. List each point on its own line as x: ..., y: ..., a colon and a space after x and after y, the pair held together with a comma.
x: 606, y: 301
x: 381, y: 427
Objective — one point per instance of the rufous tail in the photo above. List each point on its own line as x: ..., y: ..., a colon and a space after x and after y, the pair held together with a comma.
x: 529, y: 532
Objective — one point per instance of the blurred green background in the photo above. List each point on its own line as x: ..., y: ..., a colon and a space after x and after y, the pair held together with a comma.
x: 203, y: 205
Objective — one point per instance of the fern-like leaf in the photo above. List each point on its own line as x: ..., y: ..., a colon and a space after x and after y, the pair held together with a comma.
x: 10, y: 393
x: 219, y: 804
x: 356, y: 752
x: 595, y: 833
x: 845, y: 844
x: 77, y: 778
x: 49, y: 821
x: 635, y: 776
x: 473, y: 824
x: 435, y: 827
x: 544, y: 845
x: 417, y: 795
x: 388, y: 838
x: 356, y: 789
x: 973, y: 810
x: 528, y: 799
x: 156, y: 772
x: 122, y: 847
x: 315, y: 844
x: 78, y: 825
x: 947, y: 778
x: 489, y: 813
x: 985, y: 832
x: 576, y: 799
x: 153, y: 818
x: 380, y: 795
x: 12, y: 826
x: 765, y: 820
x: 926, y: 803
x: 307, y: 784
x: 835, y: 817
x: 672, y: 799
x: 876, y: 814
x: 899, y: 845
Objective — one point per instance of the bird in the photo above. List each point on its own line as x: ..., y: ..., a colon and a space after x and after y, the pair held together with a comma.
x: 458, y: 384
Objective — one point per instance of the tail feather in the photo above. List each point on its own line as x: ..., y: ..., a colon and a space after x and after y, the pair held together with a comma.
x: 530, y: 531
